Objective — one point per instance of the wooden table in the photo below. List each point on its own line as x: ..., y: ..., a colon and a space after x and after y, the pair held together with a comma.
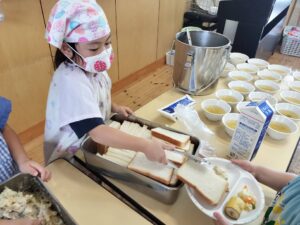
x: 272, y: 153
x: 86, y: 201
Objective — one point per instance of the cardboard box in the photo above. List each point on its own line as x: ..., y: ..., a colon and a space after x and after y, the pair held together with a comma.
x: 251, y: 129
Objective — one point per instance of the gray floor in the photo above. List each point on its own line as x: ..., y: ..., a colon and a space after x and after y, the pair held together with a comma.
x: 295, y: 164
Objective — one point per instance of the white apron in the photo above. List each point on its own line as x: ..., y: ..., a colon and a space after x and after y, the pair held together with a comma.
x: 73, y: 96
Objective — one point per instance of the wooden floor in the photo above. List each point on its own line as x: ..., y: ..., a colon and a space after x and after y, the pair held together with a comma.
x: 142, y: 91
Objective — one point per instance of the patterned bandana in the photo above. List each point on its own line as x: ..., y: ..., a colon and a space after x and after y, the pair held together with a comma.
x: 76, y: 21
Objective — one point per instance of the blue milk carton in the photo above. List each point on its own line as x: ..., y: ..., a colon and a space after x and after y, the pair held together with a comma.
x: 251, y: 129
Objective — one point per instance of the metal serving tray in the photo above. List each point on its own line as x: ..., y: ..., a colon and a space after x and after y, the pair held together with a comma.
x: 161, y: 192
x: 30, y: 184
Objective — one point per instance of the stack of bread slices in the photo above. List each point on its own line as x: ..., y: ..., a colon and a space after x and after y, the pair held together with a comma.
x: 207, y: 184
x: 138, y: 162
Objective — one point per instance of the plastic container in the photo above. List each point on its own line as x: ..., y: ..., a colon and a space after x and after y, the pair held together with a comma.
x: 291, y: 41
x: 170, y: 57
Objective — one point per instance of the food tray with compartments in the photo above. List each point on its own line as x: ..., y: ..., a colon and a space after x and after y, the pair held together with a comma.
x: 32, y: 185
x: 164, y: 193
x: 237, y: 180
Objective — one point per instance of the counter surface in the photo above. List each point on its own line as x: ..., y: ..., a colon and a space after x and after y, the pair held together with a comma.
x: 272, y: 154
x: 86, y: 201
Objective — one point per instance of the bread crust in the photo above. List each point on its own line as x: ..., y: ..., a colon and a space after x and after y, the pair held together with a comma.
x: 163, y: 181
x: 168, y: 139
x: 208, y: 201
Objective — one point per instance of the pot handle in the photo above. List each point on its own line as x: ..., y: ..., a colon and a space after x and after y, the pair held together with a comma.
x: 189, y: 59
x: 227, y: 53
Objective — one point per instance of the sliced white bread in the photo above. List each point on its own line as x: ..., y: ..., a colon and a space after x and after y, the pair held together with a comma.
x: 154, y: 170
x: 145, y: 133
x: 118, y: 156
x: 114, y: 159
x: 175, y: 156
x: 187, y: 146
x: 190, y: 150
x: 121, y: 153
x: 133, y: 128
x: 115, y: 124
x: 204, y: 180
x: 127, y: 155
x: 125, y: 126
x: 174, y: 138
x: 174, y: 179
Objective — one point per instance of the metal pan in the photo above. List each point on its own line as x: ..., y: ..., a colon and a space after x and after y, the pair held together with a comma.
x: 30, y: 184
x: 159, y: 191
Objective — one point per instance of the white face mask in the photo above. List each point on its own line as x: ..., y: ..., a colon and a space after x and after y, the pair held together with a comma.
x: 97, y: 63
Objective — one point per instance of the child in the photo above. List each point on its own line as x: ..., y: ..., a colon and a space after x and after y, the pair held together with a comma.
x: 285, y: 208
x: 79, y: 100
x: 13, y: 157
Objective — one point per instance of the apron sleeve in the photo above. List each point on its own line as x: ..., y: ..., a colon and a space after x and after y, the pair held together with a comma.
x: 82, y: 127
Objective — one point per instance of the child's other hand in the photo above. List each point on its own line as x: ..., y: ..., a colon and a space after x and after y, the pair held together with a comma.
x: 123, y: 110
x: 245, y: 164
x: 24, y: 221
x: 35, y: 169
x: 154, y: 151
x: 220, y: 220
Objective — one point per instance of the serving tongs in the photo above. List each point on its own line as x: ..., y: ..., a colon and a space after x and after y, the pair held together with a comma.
x: 197, y: 159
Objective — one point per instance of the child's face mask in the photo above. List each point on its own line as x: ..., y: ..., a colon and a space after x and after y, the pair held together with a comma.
x: 97, y: 63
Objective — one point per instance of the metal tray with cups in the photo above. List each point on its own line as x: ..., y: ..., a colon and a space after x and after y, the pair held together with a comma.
x: 99, y: 161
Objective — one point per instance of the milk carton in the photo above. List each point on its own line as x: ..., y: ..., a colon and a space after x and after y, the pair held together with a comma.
x: 251, y: 129
x: 169, y: 112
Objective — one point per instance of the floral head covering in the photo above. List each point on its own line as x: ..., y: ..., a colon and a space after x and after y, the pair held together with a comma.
x: 76, y: 21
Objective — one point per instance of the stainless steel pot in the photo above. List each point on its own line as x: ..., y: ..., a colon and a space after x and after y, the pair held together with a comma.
x: 197, y: 66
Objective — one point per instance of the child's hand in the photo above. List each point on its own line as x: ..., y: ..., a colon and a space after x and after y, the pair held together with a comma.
x: 245, y: 164
x: 154, y: 151
x: 220, y: 220
x: 24, y: 221
x: 123, y: 110
x: 35, y: 169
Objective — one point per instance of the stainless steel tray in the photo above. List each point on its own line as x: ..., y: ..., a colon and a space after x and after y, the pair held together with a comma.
x: 161, y: 192
x: 30, y: 184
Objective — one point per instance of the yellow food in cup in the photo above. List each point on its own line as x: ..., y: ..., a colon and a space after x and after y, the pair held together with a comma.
x: 239, y: 78
x: 281, y: 72
x: 241, y: 89
x: 266, y: 88
x: 215, y: 109
x: 258, y: 64
x: 232, y: 124
x: 228, y: 98
x: 289, y: 113
x: 281, y: 127
x: 293, y: 100
x: 269, y: 77
x: 296, y: 89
